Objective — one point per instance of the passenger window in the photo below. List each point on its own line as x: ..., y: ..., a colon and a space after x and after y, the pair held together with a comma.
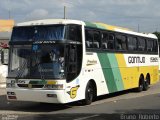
x: 141, y: 44
x: 74, y: 33
x: 132, y: 43
x: 97, y: 39
x: 104, y: 40
x: 121, y: 42
x: 110, y: 44
x: 155, y: 48
x: 93, y: 39
x: 89, y: 38
x: 150, y: 45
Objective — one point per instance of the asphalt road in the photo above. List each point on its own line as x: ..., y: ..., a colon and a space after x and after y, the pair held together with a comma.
x: 122, y: 105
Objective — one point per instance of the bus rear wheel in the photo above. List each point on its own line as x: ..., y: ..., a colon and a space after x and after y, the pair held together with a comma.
x: 141, y: 85
x: 89, y: 94
x: 146, y: 84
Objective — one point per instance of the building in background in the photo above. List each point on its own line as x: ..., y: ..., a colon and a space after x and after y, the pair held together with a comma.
x: 5, y: 32
x: 6, y: 25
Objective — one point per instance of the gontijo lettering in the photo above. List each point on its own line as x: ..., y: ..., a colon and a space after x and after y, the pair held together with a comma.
x: 135, y: 59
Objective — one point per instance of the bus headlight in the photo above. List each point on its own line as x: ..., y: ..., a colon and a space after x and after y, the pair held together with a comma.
x: 10, y: 85
x: 55, y: 87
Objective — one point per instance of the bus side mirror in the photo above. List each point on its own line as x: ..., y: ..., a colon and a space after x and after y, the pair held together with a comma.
x: 4, y: 56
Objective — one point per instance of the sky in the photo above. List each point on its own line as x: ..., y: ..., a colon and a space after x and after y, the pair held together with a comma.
x: 125, y: 13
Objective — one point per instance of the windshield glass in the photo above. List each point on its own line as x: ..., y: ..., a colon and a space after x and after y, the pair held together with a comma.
x: 31, y: 33
x: 37, y: 61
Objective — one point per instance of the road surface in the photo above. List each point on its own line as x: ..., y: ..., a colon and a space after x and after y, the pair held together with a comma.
x: 122, y: 105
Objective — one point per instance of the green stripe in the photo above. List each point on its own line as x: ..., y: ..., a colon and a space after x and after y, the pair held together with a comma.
x: 94, y: 25
x: 89, y: 24
x: 100, y: 27
x: 107, y: 71
x: 39, y: 82
x: 111, y: 71
x: 116, y: 72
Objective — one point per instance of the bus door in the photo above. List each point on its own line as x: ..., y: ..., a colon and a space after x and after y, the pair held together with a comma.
x: 71, y: 62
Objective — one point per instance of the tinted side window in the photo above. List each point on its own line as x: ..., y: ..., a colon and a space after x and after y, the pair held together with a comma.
x: 111, y: 40
x: 104, y: 40
x: 89, y: 38
x: 141, y: 44
x: 121, y: 42
x: 108, y: 40
x: 132, y: 43
x: 97, y: 39
x: 93, y: 39
x: 150, y: 44
x: 74, y: 33
x: 155, y: 47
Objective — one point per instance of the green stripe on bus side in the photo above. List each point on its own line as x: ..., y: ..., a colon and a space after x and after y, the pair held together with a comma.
x: 111, y: 72
x: 89, y: 24
x: 100, y: 26
x: 116, y: 72
x: 93, y: 25
x: 107, y: 71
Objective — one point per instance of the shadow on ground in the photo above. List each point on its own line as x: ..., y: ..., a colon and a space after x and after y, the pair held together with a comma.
x: 46, y: 107
x: 29, y: 106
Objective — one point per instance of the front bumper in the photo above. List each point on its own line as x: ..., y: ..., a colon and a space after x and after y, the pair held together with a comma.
x: 37, y: 95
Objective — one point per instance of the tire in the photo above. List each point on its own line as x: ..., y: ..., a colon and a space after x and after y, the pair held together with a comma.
x: 141, y: 85
x: 146, y: 85
x: 89, y: 94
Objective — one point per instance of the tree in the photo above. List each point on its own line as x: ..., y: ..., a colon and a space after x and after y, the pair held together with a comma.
x: 158, y: 36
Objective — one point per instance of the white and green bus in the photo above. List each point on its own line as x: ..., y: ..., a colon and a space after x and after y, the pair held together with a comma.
x: 62, y: 61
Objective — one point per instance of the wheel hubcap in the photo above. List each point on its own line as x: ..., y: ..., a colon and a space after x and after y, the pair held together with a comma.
x: 90, y: 94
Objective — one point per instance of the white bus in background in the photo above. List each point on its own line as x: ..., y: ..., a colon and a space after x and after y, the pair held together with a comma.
x: 3, y: 62
x: 62, y: 61
x: 3, y: 65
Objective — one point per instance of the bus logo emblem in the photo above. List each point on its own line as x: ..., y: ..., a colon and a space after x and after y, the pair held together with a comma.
x: 73, y: 92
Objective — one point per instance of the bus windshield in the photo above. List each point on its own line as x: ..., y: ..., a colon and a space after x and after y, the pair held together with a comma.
x: 37, y: 61
x: 40, y: 52
x: 32, y: 33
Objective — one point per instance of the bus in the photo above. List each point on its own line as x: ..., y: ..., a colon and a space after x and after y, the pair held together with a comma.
x: 62, y: 61
x: 4, y: 48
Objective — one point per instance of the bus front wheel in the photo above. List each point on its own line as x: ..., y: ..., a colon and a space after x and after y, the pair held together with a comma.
x: 89, y: 94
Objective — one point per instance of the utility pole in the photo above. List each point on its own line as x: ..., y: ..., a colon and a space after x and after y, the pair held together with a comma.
x: 9, y: 9
x: 9, y: 13
x: 64, y: 12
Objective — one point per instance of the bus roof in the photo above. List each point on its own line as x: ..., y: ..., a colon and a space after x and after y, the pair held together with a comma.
x: 50, y: 22
x: 98, y: 25
x: 104, y: 26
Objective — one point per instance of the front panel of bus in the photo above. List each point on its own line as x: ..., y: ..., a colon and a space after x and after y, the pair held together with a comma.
x: 42, y: 60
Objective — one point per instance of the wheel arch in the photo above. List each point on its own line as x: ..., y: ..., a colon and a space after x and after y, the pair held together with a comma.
x: 141, y: 78
x: 92, y: 81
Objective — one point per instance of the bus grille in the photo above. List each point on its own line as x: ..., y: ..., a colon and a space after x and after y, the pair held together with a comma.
x: 30, y: 86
